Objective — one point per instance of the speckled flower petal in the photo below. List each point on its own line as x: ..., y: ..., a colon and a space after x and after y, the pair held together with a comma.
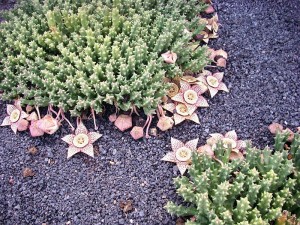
x: 6, y: 122
x: 22, y: 125
x: 202, y: 79
x: 223, y: 87
x: 169, y: 157
x: 169, y: 107
x: 178, y: 118
x: 89, y: 150
x: 232, y: 135
x: 69, y: 139
x: 192, y: 144
x: 191, y: 108
x: 182, y: 167
x: 178, y: 98
x: 241, y: 144
x: 94, y: 136
x: 194, y: 118
x: 14, y: 127
x: 201, y: 102
x: 81, y: 129
x: 212, y: 91
x: 184, y: 86
x: 206, y: 149
x: 24, y: 115
x: 219, y: 76
x: 176, y: 144
x: 211, y: 141
x: 10, y: 108
x: 72, y: 150
x: 217, y: 136
x: 200, y: 89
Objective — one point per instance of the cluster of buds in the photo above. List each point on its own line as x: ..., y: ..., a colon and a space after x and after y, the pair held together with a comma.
x: 115, y: 54
x: 19, y: 120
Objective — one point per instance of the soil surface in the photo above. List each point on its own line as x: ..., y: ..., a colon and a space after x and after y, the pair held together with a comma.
x: 263, y: 74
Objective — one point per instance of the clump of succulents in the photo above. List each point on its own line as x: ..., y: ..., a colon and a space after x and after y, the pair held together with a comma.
x: 78, y: 56
x: 254, y: 190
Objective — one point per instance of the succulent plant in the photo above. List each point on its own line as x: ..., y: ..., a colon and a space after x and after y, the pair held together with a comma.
x: 181, y: 154
x: 251, y: 191
x: 81, y: 141
x: 81, y: 55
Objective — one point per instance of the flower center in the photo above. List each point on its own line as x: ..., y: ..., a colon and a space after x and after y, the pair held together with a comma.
x: 181, y: 109
x: 190, y: 96
x: 15, y: 115
x: 173, y: 90
x: 80, y: 140
x: 183, y: 154
x: 212, y: 81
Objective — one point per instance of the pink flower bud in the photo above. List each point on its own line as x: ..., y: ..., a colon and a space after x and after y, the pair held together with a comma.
x: 169, y: 57
x: 48, y: 124
x: 35, y: 131
x: 137, y: 132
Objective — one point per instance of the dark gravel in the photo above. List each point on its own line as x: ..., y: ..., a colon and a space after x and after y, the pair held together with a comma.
x: 263, y: 75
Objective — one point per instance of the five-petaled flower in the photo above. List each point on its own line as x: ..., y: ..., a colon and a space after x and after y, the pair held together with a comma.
x: 180, y: 112
x: 181, y: 154
x: 230, y: 140
x: 190, y: 95
x: 214, y: 83
x: 81, y: 141
x: 16, y: 118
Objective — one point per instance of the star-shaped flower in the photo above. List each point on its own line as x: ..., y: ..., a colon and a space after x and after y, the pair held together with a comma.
x: 181, y: 154
x: 214, y: 83
x: 81, y: 141
x: 190, y: 95
x: 229, y: 139
x: 16, y: 118
x: 180, y: 112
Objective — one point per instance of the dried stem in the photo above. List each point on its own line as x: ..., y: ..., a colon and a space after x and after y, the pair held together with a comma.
x: 135, y: 110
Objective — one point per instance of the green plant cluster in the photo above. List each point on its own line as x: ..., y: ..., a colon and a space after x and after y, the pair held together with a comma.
x: 251, y: 191
x: 78, y: 55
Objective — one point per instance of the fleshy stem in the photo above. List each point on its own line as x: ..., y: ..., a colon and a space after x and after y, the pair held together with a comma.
x: 38, y: 112
x: 149, y: 120
x: 64, y: 118
x: 94, y: 119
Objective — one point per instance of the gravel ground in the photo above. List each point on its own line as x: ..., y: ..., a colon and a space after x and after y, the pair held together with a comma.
x: 263, y: 76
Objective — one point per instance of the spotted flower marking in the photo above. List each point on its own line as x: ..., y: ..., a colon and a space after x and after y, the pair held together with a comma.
x: 190, y: 95
x: 16, y: 118
x: 81, y: 141
x: 214, y: 83
x: 181, y: 153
